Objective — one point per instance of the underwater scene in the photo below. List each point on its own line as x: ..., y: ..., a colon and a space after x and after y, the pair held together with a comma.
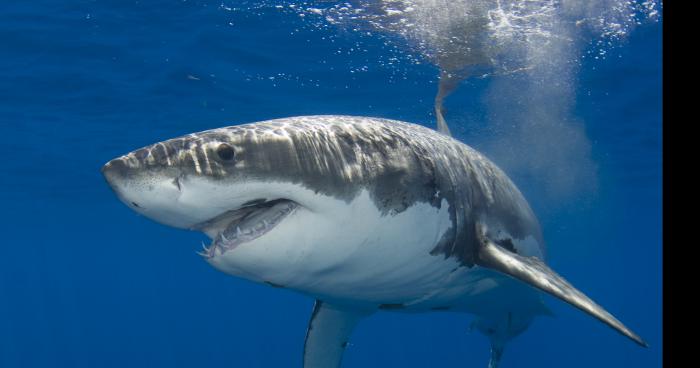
x: 388, y: 183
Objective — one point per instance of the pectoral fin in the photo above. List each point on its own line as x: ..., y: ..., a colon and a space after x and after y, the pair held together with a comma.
x: 328, y: 334
x: 534, y: 272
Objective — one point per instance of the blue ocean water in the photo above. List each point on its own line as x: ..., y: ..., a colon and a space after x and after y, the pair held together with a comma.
x: 85, y: 282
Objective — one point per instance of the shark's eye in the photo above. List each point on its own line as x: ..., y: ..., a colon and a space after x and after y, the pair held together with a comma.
x: 225, y: 152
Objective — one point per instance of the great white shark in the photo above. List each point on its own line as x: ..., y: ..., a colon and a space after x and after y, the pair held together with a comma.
x: 363, y: 215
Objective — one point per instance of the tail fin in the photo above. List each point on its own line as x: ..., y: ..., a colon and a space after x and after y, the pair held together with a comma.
x: 534, y: 272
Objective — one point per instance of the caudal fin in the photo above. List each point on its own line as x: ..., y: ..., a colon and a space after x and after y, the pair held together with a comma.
x: 534, y: 272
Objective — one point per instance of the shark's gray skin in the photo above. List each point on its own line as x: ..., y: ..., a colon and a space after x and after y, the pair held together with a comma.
x: 362, y: 214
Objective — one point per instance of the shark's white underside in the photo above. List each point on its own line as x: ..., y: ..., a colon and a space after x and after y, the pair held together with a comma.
x: 369, y: 259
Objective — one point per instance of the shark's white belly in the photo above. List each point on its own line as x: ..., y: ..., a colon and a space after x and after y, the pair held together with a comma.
x: 356, y: 255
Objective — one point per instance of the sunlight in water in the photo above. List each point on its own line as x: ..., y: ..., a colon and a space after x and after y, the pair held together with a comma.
x: 532, y: 51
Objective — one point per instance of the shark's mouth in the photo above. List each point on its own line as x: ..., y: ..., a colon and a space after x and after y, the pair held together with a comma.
x: 245, y: 224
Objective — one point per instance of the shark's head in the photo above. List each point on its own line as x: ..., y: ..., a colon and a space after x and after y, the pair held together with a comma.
x: 239, y: 185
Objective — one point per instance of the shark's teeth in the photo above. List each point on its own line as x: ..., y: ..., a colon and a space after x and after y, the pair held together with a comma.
x: 247, y: 225
x: 204, y: 252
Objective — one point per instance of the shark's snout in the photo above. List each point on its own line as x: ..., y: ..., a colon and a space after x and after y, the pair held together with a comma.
x: 115, y: 171
x: 116, y: 166
x: 150, y: 190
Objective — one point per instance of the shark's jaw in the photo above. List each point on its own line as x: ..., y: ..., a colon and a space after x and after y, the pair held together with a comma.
x: 243, y: 225
x: 231, y: 214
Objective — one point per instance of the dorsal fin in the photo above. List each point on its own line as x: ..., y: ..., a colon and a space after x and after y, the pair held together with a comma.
x: 534, y: 272
x: 448, y: 83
